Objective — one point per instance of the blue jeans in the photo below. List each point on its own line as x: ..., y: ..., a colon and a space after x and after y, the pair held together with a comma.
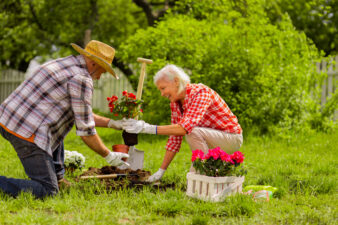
x: 43, y: 170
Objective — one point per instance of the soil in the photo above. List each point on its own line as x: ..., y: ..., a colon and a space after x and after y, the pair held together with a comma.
x: 131, y: 179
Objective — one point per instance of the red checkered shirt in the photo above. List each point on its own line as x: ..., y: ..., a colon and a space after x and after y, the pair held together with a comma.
x: 202, y: 107
x: 50, y: 101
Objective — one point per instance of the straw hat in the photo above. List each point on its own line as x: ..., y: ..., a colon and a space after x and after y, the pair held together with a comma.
x: 99, y: 52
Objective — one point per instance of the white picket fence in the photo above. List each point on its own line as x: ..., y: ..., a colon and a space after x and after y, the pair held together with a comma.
x: 329, y: 85
x: 108, y: 85
x: 9, y: 81
x: 105, y: 87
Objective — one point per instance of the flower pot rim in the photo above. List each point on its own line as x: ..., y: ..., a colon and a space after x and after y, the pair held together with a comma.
x: 120, y: 145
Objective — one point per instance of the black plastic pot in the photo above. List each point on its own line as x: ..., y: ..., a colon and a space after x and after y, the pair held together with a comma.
x: 129, y: 138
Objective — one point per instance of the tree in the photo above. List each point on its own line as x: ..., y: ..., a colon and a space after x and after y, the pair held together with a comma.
x: 153, y: 9
x: 46, y: 28
x: 317, y: 18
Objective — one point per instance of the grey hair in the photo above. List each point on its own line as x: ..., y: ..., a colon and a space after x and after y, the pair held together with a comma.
x: 170, y: 72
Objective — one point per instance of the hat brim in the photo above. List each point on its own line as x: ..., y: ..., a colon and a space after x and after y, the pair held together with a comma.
x: 98, y: 60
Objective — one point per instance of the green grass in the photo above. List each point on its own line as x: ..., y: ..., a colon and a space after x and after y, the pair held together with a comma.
x: 303, y: 167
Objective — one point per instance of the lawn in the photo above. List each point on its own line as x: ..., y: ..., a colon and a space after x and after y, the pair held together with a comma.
x: 302, y: 166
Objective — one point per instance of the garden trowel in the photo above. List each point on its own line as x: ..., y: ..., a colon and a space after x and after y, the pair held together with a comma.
x: 136, y: 157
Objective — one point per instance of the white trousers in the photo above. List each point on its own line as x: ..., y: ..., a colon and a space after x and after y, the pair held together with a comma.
x: 206, y: 138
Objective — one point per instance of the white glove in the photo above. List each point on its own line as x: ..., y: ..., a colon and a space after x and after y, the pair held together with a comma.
x: 116, y: 124
x: 156, y: 176
x: 115, y: 158
x: 138, y: 126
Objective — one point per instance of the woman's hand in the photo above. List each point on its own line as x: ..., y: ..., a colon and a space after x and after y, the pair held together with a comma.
x: 156, y: 176
x: 138, y: 126
x: 116, y: 124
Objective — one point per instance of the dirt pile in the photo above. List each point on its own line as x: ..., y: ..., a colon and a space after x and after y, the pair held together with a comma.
x: 124, y: 178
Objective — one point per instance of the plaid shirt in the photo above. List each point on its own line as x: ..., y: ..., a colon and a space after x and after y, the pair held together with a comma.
x: 202, y: 107
x: 47, y: 104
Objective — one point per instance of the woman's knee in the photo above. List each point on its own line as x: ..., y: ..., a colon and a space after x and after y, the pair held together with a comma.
x: 195, y: 134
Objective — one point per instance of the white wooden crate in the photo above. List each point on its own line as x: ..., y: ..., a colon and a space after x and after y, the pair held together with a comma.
x: 212, y: 188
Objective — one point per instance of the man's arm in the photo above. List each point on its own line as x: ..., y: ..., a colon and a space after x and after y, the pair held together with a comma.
x: 94, y: 142
x: 101, y: 121
x: 113, y: 158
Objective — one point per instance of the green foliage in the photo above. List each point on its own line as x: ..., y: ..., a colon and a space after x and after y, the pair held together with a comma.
x: 46, y: 28
x: 263, y: 71
x: 317, y: 18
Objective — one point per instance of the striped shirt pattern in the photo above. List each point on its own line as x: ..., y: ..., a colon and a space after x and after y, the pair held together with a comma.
x: 48, y: 103
x: 202, y: 107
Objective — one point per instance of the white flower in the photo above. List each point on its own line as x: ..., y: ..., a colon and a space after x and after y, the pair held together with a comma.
x: 73, y: 159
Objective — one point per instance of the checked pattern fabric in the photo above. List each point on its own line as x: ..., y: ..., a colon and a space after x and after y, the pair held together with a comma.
x: 48, y: 103
x: 202, y: 107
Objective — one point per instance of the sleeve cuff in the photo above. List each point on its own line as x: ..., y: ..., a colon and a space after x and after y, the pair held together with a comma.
x: 88, y: 132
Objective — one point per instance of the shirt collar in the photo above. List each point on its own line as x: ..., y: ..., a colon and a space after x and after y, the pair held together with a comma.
x: 82, y: 64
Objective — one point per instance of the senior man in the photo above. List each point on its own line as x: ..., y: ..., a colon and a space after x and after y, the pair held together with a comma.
x: 37, y: 116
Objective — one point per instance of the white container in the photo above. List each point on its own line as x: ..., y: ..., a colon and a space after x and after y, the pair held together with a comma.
x: 213, y: 189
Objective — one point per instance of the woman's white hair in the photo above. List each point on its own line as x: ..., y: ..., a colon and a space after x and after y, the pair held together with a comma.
x: 170, y: 72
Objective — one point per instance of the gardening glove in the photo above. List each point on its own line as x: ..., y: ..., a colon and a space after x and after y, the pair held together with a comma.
x: 138, y: 126
x: 156, y: 176
x: 116, y: 124
x: 115, y: 158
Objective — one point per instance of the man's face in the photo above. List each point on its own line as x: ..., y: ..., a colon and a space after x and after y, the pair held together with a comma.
x: 94, y: 69
x: 97, y: 72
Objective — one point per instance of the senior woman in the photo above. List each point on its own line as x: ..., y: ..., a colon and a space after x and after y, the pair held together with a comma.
x: 197, y: 112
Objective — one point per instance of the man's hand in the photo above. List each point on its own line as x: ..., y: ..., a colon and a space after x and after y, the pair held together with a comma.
x: 115, y: 159
x: 116, y: 124
x: 156, y: 176
x: 138, y: 126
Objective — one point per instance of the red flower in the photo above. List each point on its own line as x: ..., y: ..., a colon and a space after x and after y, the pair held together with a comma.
x: 197, y: 154
x: 125, y: 93
x: 226, y: 157
x: 132, y: 96
x: 116, y: 114
x: 111, y: 105
x: 215, y: 153
x: 141, y: 110
x: 238, y: 157
x: 112, y: 99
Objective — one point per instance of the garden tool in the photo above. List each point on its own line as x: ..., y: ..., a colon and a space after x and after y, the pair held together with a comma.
x: 136, y: 157
x: 108, y: 176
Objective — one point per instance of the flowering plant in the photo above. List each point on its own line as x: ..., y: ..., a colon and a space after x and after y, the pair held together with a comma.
x: 74, y: 160
x: 218, y: 163
x: 128, y: 106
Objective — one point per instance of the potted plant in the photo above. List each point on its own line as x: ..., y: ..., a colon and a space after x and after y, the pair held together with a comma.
x: 127, y: 107
x: 217, y: 175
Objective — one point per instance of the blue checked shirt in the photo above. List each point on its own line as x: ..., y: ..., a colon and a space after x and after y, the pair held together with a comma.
x: 50, y: 101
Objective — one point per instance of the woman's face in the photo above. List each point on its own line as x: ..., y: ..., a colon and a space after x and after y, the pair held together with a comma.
x: 169, y: 89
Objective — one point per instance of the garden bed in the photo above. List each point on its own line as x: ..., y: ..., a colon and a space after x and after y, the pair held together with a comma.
x: 126, y: 178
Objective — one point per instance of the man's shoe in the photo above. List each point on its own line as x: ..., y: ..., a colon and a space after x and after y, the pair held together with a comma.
x: 63, y: 183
